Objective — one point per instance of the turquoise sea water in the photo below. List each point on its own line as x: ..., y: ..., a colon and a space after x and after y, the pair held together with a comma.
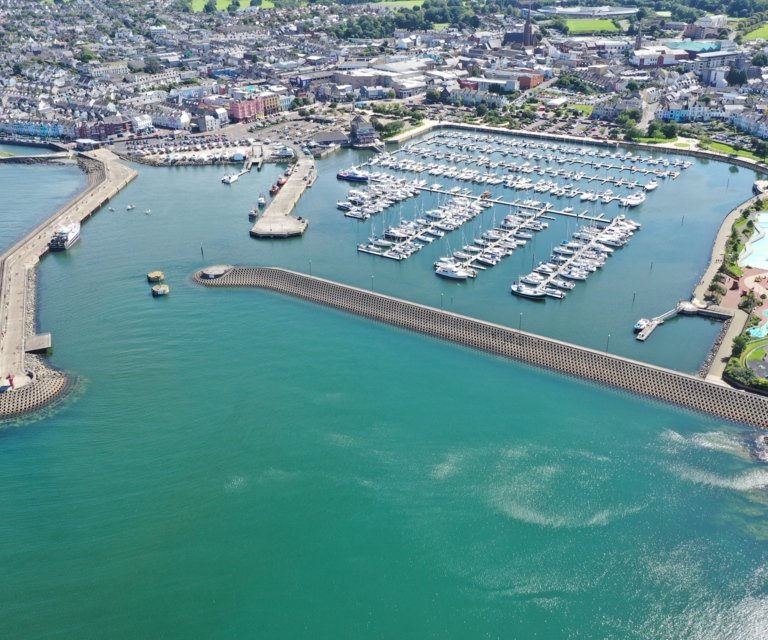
x: 240, y: 464
x: 23, y: 150
x: 32, y: 193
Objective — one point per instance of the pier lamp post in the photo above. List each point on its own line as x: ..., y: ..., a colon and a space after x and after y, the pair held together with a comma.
x: 607, y: 342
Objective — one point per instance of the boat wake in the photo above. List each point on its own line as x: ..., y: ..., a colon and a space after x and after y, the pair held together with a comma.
x: 750, y: 481
x: 713, y: 440
x: 503, y: 499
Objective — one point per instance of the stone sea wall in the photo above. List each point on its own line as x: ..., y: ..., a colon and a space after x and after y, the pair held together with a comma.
x: 643, y: 379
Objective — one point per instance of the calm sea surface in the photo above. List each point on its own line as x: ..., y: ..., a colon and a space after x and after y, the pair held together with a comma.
x: 239, y: 464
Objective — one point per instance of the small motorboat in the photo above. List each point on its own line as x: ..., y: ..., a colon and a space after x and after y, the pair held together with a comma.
x: 641, y: 324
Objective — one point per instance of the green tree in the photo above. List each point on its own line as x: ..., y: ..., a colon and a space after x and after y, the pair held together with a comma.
x: 654, y: 129
x: 739, y: 343
x: 761, y: 148
x: 210, y: 6
x: 669, y: 130
x: 736, y: 77
x: 85, y: 55
x: 760, y: 60
x: 560, y: 24
x: 481, y: 110
x: 151, y: 65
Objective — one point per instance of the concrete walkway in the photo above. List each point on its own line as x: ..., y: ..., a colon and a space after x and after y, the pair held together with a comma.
x: 277, y: 221
x: 108, y: 177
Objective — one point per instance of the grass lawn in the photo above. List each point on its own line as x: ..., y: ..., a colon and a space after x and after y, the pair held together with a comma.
x: 441, y: 26
x: 401, y: 3
x: 221, y: 5
x: 754, y: 351
x: 760, y: 32
x: 663, y: 14
x: 590, y: 26
x: 585, y: 109
x: 655, y: 140
x: 725, y: 148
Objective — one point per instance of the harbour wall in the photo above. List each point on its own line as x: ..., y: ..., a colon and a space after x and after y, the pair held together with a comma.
x: 39, y: 385
x: 614, y: 371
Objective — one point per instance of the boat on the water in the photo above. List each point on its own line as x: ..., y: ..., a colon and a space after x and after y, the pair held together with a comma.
x: 274, y: 189
x: 232, y: 177
x: 552, y: 292
x: 641, y: 324
x: 262, y: 201
x: 160, y: 290
x: 532, y: 293
x: 155, y: 276
x: 560, y: 283
x: 454, y: 272
x: 65, y: 237
x: 352, y: 175
x: 130, y: 207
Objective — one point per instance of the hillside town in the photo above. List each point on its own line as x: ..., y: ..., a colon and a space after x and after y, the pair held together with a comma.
x: 103, y: 72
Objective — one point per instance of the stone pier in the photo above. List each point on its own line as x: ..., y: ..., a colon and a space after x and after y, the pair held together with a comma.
x: 23, y: 390
x: 614, y: 371
x: 277, y: 221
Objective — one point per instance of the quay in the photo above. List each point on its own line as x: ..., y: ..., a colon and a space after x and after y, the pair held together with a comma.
x: 622, y: 373
x: 25, y: 391
x: 277, y: 221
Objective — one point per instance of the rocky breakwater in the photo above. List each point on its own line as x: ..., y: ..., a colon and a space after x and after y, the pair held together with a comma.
x: 622, y: 373
x: 27, y: 383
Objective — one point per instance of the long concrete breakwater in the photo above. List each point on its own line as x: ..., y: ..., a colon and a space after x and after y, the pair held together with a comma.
x: 630, y: 375
x: 27, y: 388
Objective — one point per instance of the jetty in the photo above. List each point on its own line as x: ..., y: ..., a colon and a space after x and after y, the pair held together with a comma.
x: 683, y: 308
x: 277, y: 221
x: 23, y: 390
x: 600, y: 367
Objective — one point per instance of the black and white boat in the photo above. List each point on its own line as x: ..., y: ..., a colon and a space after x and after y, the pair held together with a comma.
x: 65, y: 237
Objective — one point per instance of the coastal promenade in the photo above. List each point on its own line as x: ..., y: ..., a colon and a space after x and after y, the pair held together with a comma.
x: 614, y: 371
x: 26, y: 390
x: 277, y: 221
